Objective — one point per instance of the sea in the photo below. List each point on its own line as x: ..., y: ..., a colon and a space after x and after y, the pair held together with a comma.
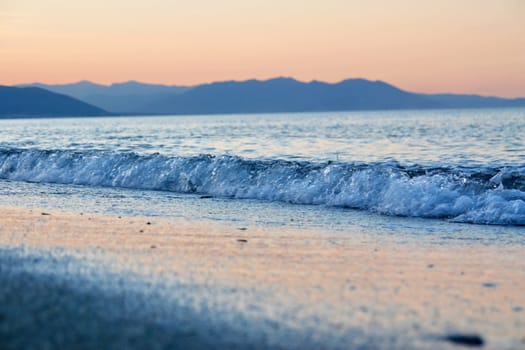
x: 410, y: 169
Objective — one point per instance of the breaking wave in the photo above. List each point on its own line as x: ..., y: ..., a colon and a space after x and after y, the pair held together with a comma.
x: 482, y: 195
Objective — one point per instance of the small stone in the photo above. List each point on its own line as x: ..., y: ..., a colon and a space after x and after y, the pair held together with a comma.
x: 148, y: 223
x: 242, y: 240
x: 517, y: 309
x: 46, y: 214
x: 242, y: 228
x: 465, y: 339
x: 153, y: 246
x: 489, y: 285
x: 206, y: 197
x: 141, y: 231
x: 430, y: 266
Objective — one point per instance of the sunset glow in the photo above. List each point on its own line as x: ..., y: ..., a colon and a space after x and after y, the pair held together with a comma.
x: 469, y: 46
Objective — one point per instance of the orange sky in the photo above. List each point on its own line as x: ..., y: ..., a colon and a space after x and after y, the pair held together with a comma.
x: 463, y: 46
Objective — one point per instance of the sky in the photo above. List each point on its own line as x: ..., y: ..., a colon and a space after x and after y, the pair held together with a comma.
x: 460, y: 46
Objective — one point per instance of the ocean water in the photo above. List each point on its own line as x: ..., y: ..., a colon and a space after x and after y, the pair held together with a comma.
x: 460, y: 166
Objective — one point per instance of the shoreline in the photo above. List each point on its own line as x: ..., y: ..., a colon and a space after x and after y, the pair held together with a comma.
x: 269, y: 287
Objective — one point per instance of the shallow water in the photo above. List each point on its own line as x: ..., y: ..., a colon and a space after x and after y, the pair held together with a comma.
x: 459, y: 165
x: 248, y: 213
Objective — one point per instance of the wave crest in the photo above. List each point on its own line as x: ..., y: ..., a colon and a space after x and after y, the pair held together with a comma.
x: 473, y: 195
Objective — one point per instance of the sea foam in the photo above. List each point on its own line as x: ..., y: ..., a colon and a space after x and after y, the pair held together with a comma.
x: 482, y: 195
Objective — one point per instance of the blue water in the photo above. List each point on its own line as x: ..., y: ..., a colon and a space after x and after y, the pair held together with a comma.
x: 465, y: 166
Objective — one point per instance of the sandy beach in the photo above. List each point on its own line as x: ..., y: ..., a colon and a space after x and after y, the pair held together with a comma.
x: 73, y: 279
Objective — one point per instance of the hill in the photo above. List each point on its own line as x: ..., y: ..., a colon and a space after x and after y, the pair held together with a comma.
x: 37, y: 102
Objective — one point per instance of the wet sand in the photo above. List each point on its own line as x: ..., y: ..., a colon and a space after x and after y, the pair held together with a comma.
x: 90, y: 281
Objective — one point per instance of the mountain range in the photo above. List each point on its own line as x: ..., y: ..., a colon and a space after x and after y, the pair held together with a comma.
x: 256, y: 96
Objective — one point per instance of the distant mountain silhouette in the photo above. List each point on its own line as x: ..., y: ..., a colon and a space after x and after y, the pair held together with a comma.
x: 474, y: 101
x: 127, y: 97
x: 288, y: 95
x: 37, y: 102
x: 274, y: 95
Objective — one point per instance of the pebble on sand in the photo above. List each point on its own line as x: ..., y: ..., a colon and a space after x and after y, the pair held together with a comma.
x: 489, y: 285
x: 465, y: 339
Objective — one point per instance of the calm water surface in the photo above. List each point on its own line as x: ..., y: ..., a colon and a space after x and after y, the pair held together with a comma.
x: 461, y: 137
